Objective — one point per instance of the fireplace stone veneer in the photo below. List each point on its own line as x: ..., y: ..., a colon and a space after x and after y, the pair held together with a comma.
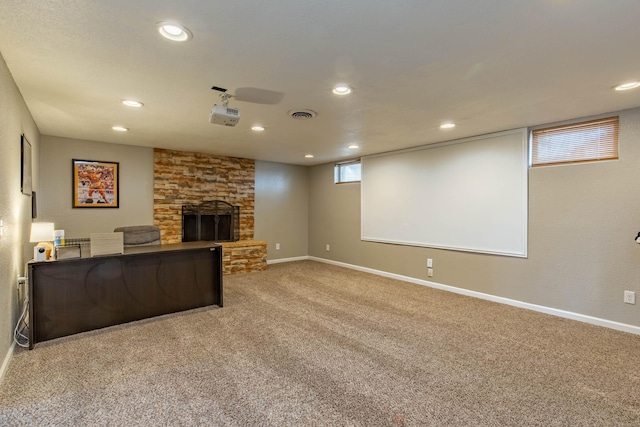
x: 244, y: 256
x: 182, y: 178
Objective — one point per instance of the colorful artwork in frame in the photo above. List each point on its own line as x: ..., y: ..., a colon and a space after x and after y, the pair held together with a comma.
x: 95, y: 184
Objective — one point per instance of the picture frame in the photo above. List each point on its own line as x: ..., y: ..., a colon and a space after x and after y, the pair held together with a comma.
x: 95, y: 184
x: 26, y: 182
x: 34, y: 205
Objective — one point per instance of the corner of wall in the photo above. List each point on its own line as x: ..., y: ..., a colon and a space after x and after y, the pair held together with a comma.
x: 5, y: 363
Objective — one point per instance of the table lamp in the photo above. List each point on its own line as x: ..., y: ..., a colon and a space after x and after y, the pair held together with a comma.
x: 42, y: 234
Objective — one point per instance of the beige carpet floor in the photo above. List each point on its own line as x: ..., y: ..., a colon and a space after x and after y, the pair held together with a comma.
x: 310, y: 344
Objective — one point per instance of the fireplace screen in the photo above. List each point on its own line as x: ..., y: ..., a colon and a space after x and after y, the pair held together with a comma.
x: 215, y: 221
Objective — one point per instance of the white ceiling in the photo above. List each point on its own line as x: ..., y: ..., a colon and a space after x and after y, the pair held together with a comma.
x: 488, y: 65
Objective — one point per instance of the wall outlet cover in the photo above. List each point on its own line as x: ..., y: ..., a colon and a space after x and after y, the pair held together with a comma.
x: 629, y: 297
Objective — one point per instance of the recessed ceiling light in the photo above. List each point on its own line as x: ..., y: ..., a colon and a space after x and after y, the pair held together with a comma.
x: 627, y: 86
x: 447, y: 125
x: 353, y: 147
x: 257, y: 128
x: 174, y: 31
x: 132, y: 103
x: 309, y: 156
x: 119, y: 128
x: 341, y: 89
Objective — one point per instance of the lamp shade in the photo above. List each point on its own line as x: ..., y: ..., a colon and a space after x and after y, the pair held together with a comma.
x: 41, y: 232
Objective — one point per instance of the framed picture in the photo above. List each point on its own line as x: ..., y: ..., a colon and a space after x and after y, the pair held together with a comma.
x: 95, y: 184
x: 25, y: 166
x: 34, y: 205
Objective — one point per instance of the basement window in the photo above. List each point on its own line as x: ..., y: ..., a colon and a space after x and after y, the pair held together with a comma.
x: 589, y: 141
x: 349, y: 171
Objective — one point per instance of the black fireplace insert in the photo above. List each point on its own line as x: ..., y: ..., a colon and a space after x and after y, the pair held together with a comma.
x: 216, y: 221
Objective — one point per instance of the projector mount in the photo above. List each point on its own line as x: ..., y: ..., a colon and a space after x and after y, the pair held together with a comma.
x: 225, y: 98
x: 223, y: 95
x: 228, y: 116
x: 251, y: 94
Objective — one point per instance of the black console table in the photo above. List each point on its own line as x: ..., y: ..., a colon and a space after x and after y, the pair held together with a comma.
x: 77, y: 295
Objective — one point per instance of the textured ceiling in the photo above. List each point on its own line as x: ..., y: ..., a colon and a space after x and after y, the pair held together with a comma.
x: 487, y: 65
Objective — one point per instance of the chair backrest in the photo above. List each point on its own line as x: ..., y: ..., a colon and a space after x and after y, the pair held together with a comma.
x: 136, y: 235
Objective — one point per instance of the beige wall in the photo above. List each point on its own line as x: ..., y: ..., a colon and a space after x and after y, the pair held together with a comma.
x: 54, y: 197
x: 282, y: 209
x: 15, y: 208
x: 582, y: 223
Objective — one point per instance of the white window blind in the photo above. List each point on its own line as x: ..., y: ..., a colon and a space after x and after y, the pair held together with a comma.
x: 577, y: 142
x: 467, y: 195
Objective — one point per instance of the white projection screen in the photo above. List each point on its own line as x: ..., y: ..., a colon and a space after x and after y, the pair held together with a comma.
x: 467, y: 195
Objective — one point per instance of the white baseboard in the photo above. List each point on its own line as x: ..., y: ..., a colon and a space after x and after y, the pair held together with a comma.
x: 6, y: 361
x: 278, y: 261
x: 542, y: 309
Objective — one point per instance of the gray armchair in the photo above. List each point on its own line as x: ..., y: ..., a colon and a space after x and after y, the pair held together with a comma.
x: 137, y: 235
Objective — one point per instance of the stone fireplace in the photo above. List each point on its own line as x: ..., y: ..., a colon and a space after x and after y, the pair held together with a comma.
x: 183, y: 181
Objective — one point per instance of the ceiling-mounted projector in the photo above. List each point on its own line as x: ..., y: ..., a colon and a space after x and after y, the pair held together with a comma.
x: 224, y: 115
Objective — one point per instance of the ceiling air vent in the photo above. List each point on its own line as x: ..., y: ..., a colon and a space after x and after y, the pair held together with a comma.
x: 302, y: 114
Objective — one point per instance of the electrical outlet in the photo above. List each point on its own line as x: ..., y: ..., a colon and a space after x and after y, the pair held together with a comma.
x: 629, y: 297
x: 429, y: 263
x: 328, y: 247
x: 430, y: 272
x: 277, y: 246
